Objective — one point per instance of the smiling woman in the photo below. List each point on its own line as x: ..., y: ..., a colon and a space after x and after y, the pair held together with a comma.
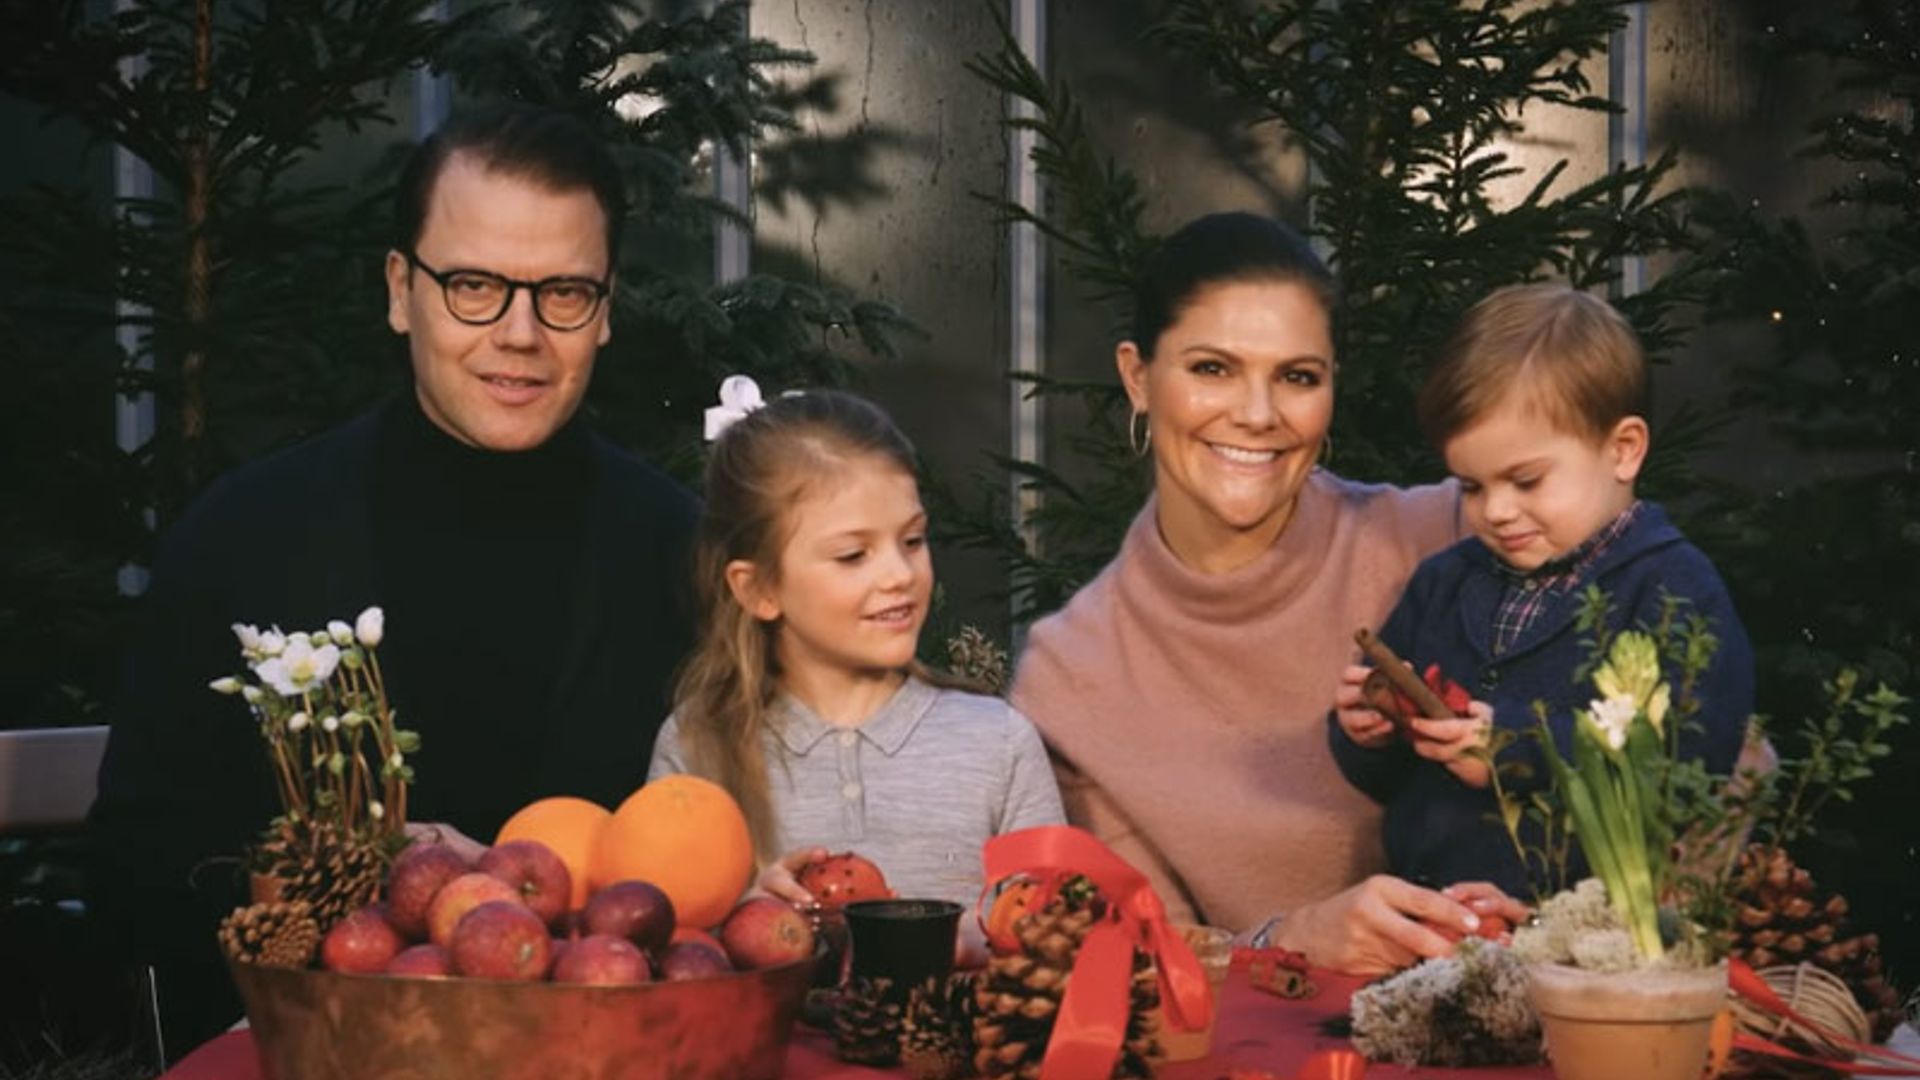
x: 1184, y: 692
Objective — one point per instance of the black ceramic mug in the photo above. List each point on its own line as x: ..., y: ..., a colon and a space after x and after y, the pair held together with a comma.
x: 905, y: 942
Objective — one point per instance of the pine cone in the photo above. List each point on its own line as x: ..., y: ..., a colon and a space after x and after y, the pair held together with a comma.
x: 866, y: 1025
x: 278, y: 934
x: 936, y: 1032
x: 1018, y: 996
x: 1780, y: 917
x: 973, y: 654
x: 333, y: 871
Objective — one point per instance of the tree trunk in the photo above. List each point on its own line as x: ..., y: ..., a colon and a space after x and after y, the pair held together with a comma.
x: 199, y: 280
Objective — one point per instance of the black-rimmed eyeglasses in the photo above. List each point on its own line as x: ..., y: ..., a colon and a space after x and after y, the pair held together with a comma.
x: 479, y: 297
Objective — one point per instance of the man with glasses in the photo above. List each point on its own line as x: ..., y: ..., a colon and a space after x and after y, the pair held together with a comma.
x: 531, y: 573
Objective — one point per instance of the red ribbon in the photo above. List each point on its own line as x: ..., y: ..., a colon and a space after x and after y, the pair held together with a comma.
x: 1747, y: 983
x: 1092, y: 1024
x: 1325, y: 1065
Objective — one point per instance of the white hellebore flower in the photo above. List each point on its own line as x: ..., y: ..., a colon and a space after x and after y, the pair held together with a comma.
x: 272, y: 642
x: 298, y: 721
x: 249, y: 637
x: 225, y: 684
x: 340, y: 632
x: 299, y: 668
x: 1613, y: 716
x: 370, y: 627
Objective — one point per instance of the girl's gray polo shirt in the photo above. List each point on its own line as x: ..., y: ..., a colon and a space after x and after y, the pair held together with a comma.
x: 917, y: 787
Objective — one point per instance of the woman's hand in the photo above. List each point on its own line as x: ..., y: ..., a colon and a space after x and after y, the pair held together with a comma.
x: 434, y: 832
x: 1381, y: 925
x: 1452, y: 742
x: 1494, y: 907
x: 1363, y: 724
x: 781, y: 878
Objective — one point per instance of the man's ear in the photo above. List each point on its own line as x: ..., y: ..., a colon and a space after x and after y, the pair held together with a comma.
x: 1133, y: 374
x: 606, y: 311
x: 397, y: 289
x: 1627, y: 444
x: 750, y: 592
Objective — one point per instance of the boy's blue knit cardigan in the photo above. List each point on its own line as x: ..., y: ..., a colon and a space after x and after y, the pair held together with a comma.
x: 1438, y: 830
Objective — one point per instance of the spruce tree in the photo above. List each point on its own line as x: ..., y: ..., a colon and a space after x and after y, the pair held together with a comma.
x: 1828, y: 570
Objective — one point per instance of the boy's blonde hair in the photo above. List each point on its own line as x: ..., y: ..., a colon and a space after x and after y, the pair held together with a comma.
x: 1572, y: 355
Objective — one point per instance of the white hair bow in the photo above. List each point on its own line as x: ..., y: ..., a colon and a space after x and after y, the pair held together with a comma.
x: 739, y: 395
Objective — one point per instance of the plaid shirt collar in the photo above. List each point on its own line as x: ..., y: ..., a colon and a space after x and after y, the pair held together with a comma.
x: 1528, y: 592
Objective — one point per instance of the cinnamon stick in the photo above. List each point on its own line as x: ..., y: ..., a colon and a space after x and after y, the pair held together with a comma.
x: 1386, y: 663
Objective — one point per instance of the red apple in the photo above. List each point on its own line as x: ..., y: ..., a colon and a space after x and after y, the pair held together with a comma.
x: 417, y: 874
x: 765, y: 932
x: 838, y: 880
x: 684, y: 960
x: 530, y: 866
x: 363, y: 943
x: 635, y: 910
x: 602, y: 960
x: 501, y: 939
x: 461, y: 895
x: 422, y: 962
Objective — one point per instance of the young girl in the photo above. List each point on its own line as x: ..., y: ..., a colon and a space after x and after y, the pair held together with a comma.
x: 802, y: 697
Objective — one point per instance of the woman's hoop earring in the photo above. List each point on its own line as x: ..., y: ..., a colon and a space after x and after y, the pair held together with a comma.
x: 1139, y: 433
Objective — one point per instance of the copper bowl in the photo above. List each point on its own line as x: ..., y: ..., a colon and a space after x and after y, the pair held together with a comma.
x: 318, y: 1025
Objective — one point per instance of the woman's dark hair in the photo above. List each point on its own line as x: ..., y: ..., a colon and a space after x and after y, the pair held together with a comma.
x: 1214, y: 250
x: 554, y: 149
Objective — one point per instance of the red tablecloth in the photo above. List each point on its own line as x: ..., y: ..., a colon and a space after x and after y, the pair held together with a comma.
x: 1256, y: 1030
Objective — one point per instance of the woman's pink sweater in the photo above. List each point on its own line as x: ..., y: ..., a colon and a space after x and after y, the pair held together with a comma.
x: 1187, y: 712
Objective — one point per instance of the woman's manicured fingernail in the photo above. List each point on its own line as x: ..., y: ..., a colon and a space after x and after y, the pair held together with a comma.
x: 1472, y: 921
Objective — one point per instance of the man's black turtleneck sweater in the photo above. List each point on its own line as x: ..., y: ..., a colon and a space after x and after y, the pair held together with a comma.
x: 535, y: 611
x: 477, y: 556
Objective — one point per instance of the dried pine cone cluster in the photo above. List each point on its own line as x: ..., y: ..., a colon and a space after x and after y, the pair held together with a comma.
x: 936, y: 1032
x: 334, y: 873
x: 1781, y: 918
x: 1018, y: 996
x: 281, y: 933
x: 866, y: 1022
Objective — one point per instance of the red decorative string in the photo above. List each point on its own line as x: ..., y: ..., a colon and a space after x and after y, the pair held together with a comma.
x: 1747, y: 983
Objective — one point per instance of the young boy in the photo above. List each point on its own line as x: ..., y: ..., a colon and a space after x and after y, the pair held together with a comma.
x: 1538, y: 404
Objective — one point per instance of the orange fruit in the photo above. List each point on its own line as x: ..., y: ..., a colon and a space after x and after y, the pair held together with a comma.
x: 685, y: 835
x: 571, y: 827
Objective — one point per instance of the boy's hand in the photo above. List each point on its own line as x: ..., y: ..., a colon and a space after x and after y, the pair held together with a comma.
x: 781, y: 878
x: 1450, y: 743
x: 1363, y: 724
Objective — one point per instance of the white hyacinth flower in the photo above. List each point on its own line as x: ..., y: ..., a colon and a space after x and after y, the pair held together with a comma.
x: 225, y: 684
x: 300, y: 668
x: 370, y: 627
x: 1613, y: 716
x: 340, y: 632
x: 298, y: 721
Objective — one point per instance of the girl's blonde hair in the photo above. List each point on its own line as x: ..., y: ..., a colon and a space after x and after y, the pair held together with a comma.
x: 757, y: 471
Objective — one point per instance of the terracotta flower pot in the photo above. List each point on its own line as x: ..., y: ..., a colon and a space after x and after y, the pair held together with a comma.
x: 1643, y: 1025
